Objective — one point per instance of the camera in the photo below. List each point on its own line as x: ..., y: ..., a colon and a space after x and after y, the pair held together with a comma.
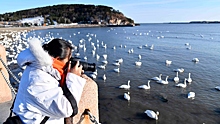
x: 86, y: 66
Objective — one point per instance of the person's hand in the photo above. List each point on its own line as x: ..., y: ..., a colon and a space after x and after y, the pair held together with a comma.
x: 77, y: 69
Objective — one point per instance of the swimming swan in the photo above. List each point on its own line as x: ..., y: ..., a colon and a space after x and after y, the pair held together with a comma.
x: 124, y: 86
x: 127, y: 96
x: 189, y: 78
x: 152, y: 114
x: 191, y: 95
x: 176, y: 79
x: 163, y: 81
x: 183, y: 85
x: 157, y: 78
x: 145, y: 86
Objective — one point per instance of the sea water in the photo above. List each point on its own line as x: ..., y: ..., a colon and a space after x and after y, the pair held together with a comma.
x: 169, y: 41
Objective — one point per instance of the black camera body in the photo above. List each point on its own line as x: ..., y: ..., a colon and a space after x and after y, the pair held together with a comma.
x: 86, y: 66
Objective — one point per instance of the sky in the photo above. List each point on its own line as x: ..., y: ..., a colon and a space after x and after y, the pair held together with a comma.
x: 141, y: 11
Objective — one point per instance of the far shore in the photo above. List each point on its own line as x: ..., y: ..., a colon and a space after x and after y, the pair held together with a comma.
x: 12, y: 29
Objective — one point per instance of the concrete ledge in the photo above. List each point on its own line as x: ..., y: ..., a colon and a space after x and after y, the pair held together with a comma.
x: 89, y: 100
x: 5, y: 91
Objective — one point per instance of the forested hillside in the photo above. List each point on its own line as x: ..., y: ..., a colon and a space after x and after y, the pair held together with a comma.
x: 72, y: 13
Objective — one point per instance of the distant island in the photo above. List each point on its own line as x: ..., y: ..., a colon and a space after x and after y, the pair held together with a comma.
x: 67, y: 14
x: 196, y: 22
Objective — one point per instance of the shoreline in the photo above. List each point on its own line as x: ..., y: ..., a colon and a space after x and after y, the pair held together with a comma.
x: 10, y: 29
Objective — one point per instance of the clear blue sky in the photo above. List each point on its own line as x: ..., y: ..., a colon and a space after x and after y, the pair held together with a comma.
x: 142, y: 11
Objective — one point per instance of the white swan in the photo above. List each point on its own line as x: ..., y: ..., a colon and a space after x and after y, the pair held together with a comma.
x: 104, y: 77
x: 102, y: 66
x: 217, y: 88
x: 179, y: 70
x: 176, y: 79
x: 152, y: 47
x: 105, y: 61
x: 138, y: 63
x: 139, y: 56
x: 168, y: 62
x: 163, y: 81
x: 195, y: 60
x: 125, y: 86
x: 127, y: 96
x: 189, y: 78
x: 105, y: 56
x: 119, y: 60
x: 145, y: 86
x: 183, y: 85
x: 191, y: 95
x: 157, y: 78
x: 152, y: 114
x: 116, y: 63
x: 117, y: 70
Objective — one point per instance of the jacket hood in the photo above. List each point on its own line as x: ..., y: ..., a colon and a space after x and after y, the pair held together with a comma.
x: 34, y: 55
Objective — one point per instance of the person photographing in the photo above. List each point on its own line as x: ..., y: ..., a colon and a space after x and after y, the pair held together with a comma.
x: 47, y: 76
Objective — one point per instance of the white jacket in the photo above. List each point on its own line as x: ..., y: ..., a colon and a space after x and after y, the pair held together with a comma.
x: 39, y: 94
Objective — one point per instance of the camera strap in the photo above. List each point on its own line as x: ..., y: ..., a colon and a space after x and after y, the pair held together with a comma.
x: 71, y: 99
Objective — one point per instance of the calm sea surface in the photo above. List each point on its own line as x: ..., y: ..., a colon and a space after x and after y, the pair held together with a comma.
x: 169, y: 44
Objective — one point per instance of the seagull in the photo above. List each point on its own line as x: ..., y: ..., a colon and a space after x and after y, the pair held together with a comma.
x: 127, y: 96
x: 125, y: 86
x: 189, y: 78
x: 152, y: 114
x: 157, y: 78
x: 183, y: 85
x: 191, y: 95
x: 105, y: 56
x: 102, y: 66
x: 163, y: 81
x: 116, y: 63
x: 176, y: 79
x: 145, y: 86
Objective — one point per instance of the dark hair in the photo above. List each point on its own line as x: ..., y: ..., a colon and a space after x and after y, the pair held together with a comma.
x: 58, y: 48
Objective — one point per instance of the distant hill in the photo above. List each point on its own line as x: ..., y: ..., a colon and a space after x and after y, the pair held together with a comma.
x: 72, y: 13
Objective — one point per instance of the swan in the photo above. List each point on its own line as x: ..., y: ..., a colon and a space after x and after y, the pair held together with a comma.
x: 139, y: 56
x: 157, y: 78
x: 102, y: 66
x: 152, y: 114
x: 127, y: 96
x: 119, y: 60
x: 179, y: 70
x: 117, y: 70
x: 116, y: 63
x: 176, y: 79
x: 195, y: 60
x: 217, y: 87
x: 138, y: 63
x: 152, y: 47
x: 125, y: 86
x: 105, y: 56
x: 104, y: 77
x: 168, y: 62
x: 105, y: 61
x: 191, y: 95
x: 183, y: 85
x: 189, y: 78
x: 145, y: 86
x: 163, y: 81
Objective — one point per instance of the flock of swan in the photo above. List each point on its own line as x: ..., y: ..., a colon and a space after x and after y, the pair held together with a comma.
x: 18, y: 42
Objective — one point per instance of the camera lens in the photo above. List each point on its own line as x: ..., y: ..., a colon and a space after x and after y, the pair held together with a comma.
x: 88, y: 66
